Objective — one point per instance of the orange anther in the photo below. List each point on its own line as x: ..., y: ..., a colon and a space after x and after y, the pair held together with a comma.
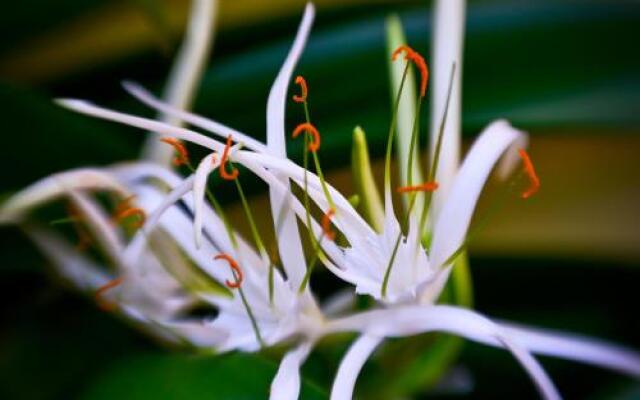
x: 418, y: 60
x: 124, y: 210
x: 531, y: 173
x: 225, y: 154
x: 303, y: 88
x: 235, y: 267
x: 315, y: 142
x: 424, y: 187
x: 326, y: 224
x: 182, y: 156
x: 104, y: 305
x: 130, y: 212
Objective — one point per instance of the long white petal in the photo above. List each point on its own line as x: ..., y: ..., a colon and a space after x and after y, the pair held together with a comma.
x: 447, y: 49
x: 56, y: 185
x: 289, y: 244
x: 88, y: 108
x: 538, y: 375
x: 413, y: 320
x: 351, y: 365
x: 453, y: 222
x: 286, y: 384
x: 578, y: 348
x: 196, y: 120
x: 186, y: 72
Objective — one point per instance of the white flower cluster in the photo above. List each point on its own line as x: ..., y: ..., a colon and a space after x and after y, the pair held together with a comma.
x: 184, y: 252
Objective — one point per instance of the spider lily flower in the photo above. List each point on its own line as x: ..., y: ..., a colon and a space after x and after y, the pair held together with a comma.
x: 268, y: 309
x: 391, y: 266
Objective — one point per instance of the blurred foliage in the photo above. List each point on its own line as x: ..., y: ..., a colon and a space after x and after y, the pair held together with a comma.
x: 550, y: 66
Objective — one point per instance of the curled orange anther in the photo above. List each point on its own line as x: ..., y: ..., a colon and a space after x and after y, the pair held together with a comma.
x: 315, y: 142
x: 303, y: 88
x: 124, y: 210
x: 424, y: 187
x: 531, y: 173
x: 418, y: 60
x: 326, y: 224
x: 223, y: 163
x: 102, y: 304
x: 182, y: 157
x: 235, y: 267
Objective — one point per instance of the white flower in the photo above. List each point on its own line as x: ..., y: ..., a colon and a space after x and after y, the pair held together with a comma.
x: 414, y: 275
x: 158, y: 275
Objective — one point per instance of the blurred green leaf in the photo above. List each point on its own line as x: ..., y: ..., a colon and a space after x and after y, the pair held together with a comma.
x: 171, y: 376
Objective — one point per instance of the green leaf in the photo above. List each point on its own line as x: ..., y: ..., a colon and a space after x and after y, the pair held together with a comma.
x: 161, y: 376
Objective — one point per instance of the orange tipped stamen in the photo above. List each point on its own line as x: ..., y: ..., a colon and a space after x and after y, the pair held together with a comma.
x: 124, y: 210
x: 303, y: 88
x: 326, y: 224
x: 223, y: 163
x: 424, y: 187
x: 315, y: 142
x: 102, y: 304
x: 131, y: 212
x: 182, y: 157
x: 418, y: 60
x: 235, y: 267
x: 531, y: 173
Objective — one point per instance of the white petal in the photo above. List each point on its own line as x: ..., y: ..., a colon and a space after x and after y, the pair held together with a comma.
x: 186, y: 72
x: 286, y: 167
x: 540, y: 378
x: 85, y: 107
x: 351, y: 365
x: 278, y: 95
x: 413, y: 320
x: 578, y: 348
x: 196, y: 120
x: 453, y: 222
x: 286, y: 384
x: 286, y: 228
x: 295, y: 206
x: 447, y: 49
x: 56, y: 185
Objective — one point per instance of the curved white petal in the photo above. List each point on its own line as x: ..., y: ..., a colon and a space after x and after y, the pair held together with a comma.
x: 196, y: 120
x: 538, y: 375
x: 286, y: 167
x: 57, y: 185
x: 415, y: 319
x: 88, y: 108
x: 286, y: 384
x: 453, y: 222
x: 575, y: 347
x: 186, y: 72
x: 351, y: 365
x: 286, y: 228
x: 297, y: 208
